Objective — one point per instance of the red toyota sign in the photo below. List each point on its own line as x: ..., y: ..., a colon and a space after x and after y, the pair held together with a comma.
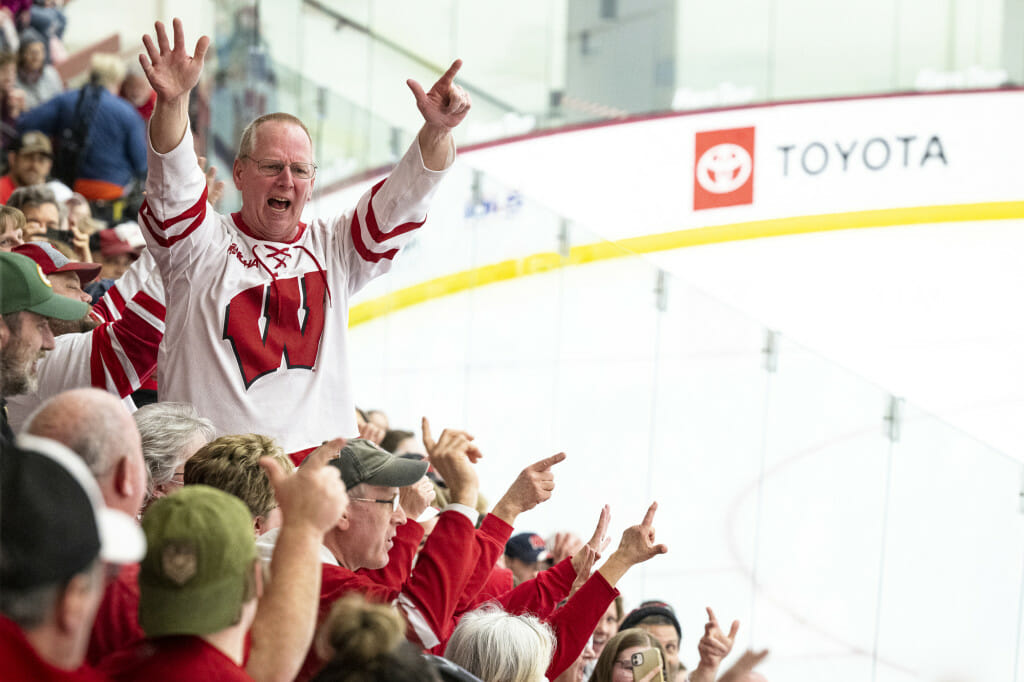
x: 723, y: 173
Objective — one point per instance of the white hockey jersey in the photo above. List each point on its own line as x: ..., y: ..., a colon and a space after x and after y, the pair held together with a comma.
x: 256, y: 330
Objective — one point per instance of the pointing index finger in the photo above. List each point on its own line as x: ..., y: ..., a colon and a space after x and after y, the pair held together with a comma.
x: 649, y: 516
x: 548, y: 462
x: 449, y: 75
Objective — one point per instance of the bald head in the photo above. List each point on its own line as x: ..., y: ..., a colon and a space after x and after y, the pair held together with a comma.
x: 99, y: 429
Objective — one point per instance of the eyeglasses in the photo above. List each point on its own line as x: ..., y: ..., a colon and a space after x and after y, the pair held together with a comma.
x: 273, y: 167
x: 393, y: 502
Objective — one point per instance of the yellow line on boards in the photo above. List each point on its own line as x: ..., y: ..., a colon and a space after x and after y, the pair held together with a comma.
x: 678, y: 239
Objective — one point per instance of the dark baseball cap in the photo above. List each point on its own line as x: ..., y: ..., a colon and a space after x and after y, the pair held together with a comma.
x: 51, y: 261
x: 53, y: 522
x: 528, y: 547
x: 23, y: 286
x: 361, y: 461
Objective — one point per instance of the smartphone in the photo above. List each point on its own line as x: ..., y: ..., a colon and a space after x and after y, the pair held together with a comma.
x: 644, y: 662
x: 66, y: 236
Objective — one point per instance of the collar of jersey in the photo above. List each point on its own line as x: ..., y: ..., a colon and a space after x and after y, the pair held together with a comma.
x: 240, y: 224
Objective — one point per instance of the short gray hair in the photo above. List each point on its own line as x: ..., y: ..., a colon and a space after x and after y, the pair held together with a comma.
x: 499, y: 647
x: 166, y: 428
x: 31, y: 196
x: 31, y: 607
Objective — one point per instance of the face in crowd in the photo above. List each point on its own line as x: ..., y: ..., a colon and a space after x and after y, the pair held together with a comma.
x: 373, y: 521
x: 69, y: 285
x: 606, y: 628
x: 29, y: 167
x: 39, y: 219
x: 29, y: 336
x: 275, y: 179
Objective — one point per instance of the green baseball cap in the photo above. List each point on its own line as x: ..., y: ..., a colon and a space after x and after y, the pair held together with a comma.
x: 362, y: 461
x: 23, y: 286
x: 198, y: 566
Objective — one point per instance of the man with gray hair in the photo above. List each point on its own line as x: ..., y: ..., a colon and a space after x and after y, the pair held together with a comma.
x: 98, y: 428
x: 102, y: 138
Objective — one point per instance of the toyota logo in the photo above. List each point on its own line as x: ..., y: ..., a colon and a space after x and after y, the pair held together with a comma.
x: 724, y: 168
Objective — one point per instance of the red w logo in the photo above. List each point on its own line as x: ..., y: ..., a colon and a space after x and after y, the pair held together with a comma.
x: 284, y: 333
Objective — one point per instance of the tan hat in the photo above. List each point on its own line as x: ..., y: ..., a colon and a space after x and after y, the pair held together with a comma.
x: 34, y: 142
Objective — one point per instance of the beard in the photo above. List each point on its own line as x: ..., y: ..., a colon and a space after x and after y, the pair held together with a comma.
x: 17, y: 369
x: 83, y: 324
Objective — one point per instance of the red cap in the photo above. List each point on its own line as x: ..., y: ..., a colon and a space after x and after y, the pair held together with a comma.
x: 50, y: 260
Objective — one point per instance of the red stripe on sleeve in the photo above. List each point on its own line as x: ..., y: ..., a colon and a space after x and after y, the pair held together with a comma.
x: 365, y: 253
x: 157, y: 228
x: 140, y: 341
x: 102, y: 344
x: 96, y: 377
x: 150, y: 305
x: 116, y: 299
x: 371, y: 221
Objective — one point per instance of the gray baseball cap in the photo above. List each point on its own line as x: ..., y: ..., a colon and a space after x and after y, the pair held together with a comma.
x: 361, y: 461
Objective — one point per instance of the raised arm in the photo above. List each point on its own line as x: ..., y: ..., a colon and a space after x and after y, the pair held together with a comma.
x: 714, y: 646
x: 311, y: 500
x: 443, y: 107
x: 172, y: 73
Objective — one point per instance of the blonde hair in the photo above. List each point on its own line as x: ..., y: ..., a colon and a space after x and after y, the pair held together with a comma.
x: 11, y: 219
x: 358, y: 631
x: 232, y: 464
x: 106, y: 69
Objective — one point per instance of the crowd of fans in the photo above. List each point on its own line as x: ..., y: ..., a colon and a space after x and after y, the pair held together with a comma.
x: 148, y: 532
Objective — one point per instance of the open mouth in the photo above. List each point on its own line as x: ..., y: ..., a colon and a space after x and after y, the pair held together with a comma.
x: 279, y: 204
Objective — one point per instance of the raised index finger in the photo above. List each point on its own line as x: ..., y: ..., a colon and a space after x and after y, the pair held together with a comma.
x: 711, y: 616
x: 548, y: 462
x: 649, y: 516
x: 449, y: 75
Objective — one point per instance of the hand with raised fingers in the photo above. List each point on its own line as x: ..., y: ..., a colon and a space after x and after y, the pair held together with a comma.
x: 472, y: 451
x: 415, y: 498
x: 449, y: 456
x: 636, y: 546
x: 172, y: 72
x: 715, y: 645
x: 637, y: 543
x: 314, y: 495
x: 445, y: 104
x: 532, y: 486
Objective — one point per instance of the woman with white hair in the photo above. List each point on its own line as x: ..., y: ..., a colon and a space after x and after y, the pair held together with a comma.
x: 499, y: 647
x: 171, y: 433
